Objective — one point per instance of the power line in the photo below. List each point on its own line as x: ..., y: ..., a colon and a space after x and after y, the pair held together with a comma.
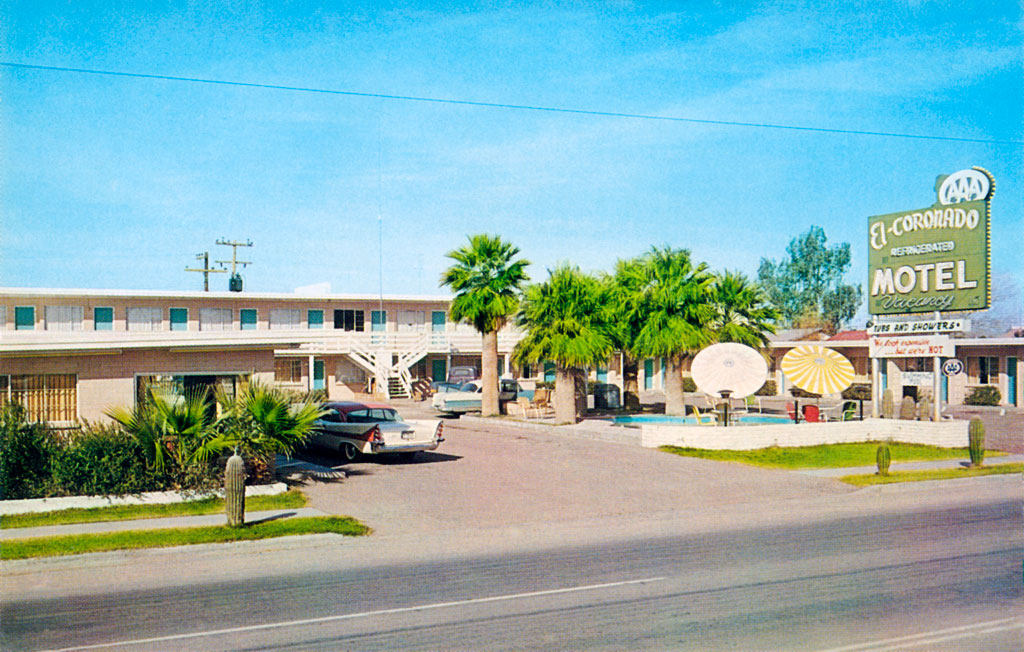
x: 500, y: 105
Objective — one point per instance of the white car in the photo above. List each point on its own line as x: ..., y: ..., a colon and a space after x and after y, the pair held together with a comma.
x: 354, y: 428
x: 469, y: 398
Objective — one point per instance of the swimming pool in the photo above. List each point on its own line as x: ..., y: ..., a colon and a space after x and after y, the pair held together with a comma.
x: 661, y: 419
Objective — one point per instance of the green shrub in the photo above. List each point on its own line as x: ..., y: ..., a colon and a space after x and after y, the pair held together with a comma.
x: 24, y: 454
x: 858, y: 392
x: 103, y: 461
x: 768, y: 389
x: 689, y: 385
x: 984, y: 395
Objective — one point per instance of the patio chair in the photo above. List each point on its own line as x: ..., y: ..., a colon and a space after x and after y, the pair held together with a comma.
x: 521, y: 407
x: 752, y: 402
x: 706, y: 419
x: 812, y: 414
x: 738, y: 406
x: 791, y: 410
x: 849, y: 411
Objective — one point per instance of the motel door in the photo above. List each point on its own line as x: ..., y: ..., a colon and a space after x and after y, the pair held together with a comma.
x: 437, y: 371
x: 649, y: 374
x: 1011, y: 381
x: 318, y: 375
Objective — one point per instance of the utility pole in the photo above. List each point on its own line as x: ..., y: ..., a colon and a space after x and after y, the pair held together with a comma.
x: 235, y: 282
x: 206, y: 271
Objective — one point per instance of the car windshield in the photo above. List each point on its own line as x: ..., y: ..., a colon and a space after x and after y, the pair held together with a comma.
x: 468, y: 387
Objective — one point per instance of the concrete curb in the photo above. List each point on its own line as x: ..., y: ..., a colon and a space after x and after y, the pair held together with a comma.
x: 34, y: 505
x: 626, y: 436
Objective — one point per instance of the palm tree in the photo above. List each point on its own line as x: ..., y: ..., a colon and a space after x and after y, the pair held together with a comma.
x: 487, y: 282
x: 625, y: 292
x: 259, y: 422
x: 168, y: 429
x: 675, y: 313
x: 568, y: 321
x: 743, y: 313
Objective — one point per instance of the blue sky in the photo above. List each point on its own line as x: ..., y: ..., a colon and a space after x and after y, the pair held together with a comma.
x: 117, y: 182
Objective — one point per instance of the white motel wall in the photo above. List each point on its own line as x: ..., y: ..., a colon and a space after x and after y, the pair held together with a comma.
x: 951, y: 434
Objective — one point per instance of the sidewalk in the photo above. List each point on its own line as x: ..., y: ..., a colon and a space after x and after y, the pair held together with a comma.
x: 908, y: 466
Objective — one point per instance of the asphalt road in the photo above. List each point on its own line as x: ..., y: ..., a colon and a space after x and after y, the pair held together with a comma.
x: 914, y: 578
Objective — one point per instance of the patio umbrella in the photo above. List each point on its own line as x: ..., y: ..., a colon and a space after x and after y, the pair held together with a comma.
x: 817, y: 369
x: 730, y: 367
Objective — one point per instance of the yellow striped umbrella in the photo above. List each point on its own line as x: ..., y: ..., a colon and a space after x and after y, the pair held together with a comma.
x: 817, y: 369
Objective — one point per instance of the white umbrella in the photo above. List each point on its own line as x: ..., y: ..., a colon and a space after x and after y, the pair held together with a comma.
x: 730, y: 367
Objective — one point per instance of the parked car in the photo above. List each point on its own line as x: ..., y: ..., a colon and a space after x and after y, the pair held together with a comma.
x: 462, y: 375
x: 437, y: 387
x: 354, y: 428
x: 469, y: 397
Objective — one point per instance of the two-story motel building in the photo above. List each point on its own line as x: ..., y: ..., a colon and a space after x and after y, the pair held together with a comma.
x: 70, y: 354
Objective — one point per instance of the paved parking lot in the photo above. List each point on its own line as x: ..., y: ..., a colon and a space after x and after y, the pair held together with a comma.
x: 490, y: 478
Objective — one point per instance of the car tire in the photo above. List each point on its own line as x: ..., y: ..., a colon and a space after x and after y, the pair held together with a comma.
x: 349, y: 452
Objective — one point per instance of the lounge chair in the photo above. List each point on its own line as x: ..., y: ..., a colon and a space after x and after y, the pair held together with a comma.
x: 706, y: 419
x: 791, y: 410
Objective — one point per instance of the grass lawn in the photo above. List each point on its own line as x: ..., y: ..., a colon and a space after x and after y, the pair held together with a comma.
x: 933, y: 474
x: 287, y: 500
x: 76, y: 544
x: 826, y: 456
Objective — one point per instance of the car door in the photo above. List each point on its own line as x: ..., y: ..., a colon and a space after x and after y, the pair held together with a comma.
x: 327, y: 430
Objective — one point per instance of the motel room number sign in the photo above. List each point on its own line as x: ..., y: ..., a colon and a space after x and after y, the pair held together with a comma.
x: 934, y: 259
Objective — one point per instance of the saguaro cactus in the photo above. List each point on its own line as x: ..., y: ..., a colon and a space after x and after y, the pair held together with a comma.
x: 908, y: 409
x: 234, y: 490
x: 976, y: 441
x: 924, y: 410
x: 888, y: 404
x: 882, y: 459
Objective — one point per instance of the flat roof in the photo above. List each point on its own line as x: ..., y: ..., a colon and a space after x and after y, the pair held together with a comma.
x: 199, y: 294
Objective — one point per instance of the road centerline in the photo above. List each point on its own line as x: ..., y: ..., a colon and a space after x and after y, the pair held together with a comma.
x: 362, y: 614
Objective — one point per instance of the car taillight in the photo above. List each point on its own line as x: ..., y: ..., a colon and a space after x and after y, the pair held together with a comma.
x: 375, y: 437
x: 439, y: 432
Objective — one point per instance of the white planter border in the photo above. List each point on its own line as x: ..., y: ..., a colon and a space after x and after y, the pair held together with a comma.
x: 33, y: 505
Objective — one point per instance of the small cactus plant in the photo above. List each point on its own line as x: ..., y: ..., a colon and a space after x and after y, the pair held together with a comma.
x: 882, y: 459
x: 908, y: 409
x: 888, y: 404
x: 234, y: 490
x: 924, y: 410
x: 976, y: 441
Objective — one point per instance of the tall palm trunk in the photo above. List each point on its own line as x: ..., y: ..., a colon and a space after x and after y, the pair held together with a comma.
x: 675, y: 402
x: 489, y: 374
x: 565, y: 394
x: 630, y: 382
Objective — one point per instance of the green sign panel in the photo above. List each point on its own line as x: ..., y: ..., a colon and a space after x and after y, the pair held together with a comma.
x: 936, y: 258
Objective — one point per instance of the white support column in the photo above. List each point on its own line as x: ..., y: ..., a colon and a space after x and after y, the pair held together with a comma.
x: 936, y: 388
x: 309, y: 376
x: 508, y: 367
x: 876, y: 379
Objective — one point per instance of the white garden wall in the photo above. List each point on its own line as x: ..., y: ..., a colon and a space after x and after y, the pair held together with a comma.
x: 942, y: 433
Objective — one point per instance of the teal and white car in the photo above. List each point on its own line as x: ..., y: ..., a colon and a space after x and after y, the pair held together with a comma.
x: 469, y: 397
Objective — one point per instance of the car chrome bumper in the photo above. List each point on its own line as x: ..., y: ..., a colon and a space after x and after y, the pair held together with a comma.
x: 405, y: 448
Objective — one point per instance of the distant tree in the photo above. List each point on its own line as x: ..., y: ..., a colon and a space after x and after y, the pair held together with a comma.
x: 625, y: 293
x: 807, y: 288
x: 487, y: 281
x: 568, y: 320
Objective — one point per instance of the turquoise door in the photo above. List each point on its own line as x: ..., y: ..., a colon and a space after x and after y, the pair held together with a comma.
x: 318, y: 375
x: 648, y: 374
x: 549, y: 372
x: 945, y: 388
x: 883, y: 364
x: 602, y: 375
x: 1011, y: 381
x: 437, y: 371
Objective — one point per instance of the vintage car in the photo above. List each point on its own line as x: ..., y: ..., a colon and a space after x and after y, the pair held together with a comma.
x: 469, y: 398
x: 354, y: 428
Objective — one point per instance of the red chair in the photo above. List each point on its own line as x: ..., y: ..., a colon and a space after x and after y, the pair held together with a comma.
x: 791, y: 410
x: 812, y: 414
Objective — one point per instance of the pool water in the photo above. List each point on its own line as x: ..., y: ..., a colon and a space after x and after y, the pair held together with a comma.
x: 660, y: 419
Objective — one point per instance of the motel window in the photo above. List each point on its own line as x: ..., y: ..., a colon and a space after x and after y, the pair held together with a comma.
x: 315, y: 318
x: 349, y: 320
x: 24, y: 318
x: 285, y: 319
x: 145, y: 319
x: 378, y: 320
x: 3, y: 318
x: 215, y: 319
x: 63, y: 318
x: 247, y: 319
x: 49, y: 397
x: 288, y: 370
x: 179, y: 319
x: 983, y: 369
x: 103, y: 319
